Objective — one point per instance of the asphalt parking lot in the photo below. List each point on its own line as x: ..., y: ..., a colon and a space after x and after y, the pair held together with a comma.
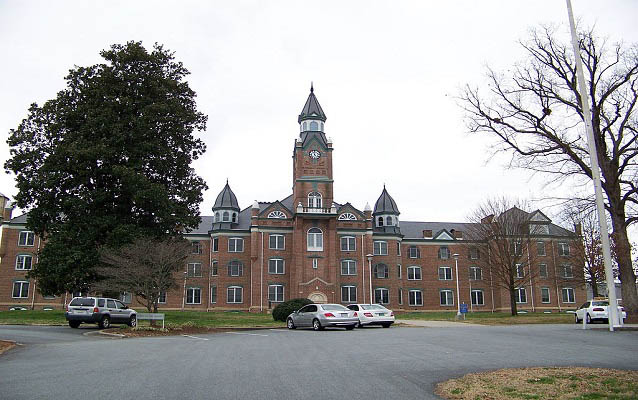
x: 371, y: 363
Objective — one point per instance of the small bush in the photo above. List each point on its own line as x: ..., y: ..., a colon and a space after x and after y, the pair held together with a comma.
x: 283, y: 310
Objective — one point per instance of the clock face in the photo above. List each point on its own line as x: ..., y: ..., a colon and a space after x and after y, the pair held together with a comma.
x: 315, y: 154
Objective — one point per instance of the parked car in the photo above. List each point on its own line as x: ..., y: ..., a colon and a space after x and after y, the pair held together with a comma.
x: 372, y: 314
x: 595, y: 310
x: 319, y: 316
x: 100, y: 310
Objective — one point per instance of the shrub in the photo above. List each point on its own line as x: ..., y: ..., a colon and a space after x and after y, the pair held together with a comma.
x: 283, y: 310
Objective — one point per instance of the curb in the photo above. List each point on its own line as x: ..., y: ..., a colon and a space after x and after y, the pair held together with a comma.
x: 113, y: 335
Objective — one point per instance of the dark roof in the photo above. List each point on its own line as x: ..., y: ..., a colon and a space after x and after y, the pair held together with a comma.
x: 312, y: 109
x: 20, y: 219
x: 385, y: 204
x: 226, y: 199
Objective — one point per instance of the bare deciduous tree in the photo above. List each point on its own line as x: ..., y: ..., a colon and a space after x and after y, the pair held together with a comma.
x: 534, y: 113
x: 145, y: 268
x: 508, y: 244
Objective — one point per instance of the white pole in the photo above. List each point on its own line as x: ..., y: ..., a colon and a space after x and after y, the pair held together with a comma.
x: 595, y: 171
x: 370, y: 275
x: 470, y: 281
x: 458, y: 296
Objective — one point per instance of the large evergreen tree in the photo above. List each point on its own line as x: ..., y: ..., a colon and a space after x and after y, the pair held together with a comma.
x: 107, y: 160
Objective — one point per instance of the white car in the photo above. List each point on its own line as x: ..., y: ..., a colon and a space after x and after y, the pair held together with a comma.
x: 595, y: 310
x: 372, y: 314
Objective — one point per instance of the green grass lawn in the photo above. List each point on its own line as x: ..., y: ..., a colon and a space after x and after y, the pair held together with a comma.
x: 213, y: 319
x: 488, y: 318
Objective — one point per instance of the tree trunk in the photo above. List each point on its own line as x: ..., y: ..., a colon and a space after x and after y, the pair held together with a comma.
x: 593, y: 282
x: 513, y: 301
x: 625, y: 267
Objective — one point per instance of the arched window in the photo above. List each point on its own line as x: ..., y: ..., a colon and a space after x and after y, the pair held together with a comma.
x: 388, y: 221
x: 305, y: 126
x: 226, y: 216
x: 217, y: 216
x: 315, y: 239
x: 314, y: 126
x: 234, y: 218
x: 347, y: 217
x: 380, y: 221
x: 277, y: 214
x: 314, y: 200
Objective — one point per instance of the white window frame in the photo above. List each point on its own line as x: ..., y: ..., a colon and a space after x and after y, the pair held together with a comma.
x: 412, y: 270
x: 314, y: 239
x: 474, y: 253
x: 279, y: 239
x: 196, y: 247
x: 237, y: 245
x: 568, y: 290
x: 375, y: 271
x: 315, y: 263
x: 191, y: 270
x: 473, y: 273
x: 159, y: 298
x: 520, y: 268
x: 445, y: 256
x: 215, y: 245
x: 277, y: 295
x: 549, y: 295
x: 213, y: 298
x: 191, y: 291
x: 350, y: 290
x: 413, y: 252
x: 27, y: 235
x: 347, y: 217
x: 315, y: 200
x: 563, y: 249
x: 538, y: 248
x: 279, y: 263
x: 126, y: 297
x: 565, y: 269
x: 21, y: 262
x: 445, y: 278
x: 382, y: 290
x: 412, y: 295
x: 235, y: 290
x: 519, y: 299
x: 399, y: 272
x: 540, y: 271
x: 240, y: 268
x: 350, y: 243
x: 474, y: 296
x: 449, y: 297
x: 214, y: 268
x: 351, y: 267
x: 21, y: 294
x: 380, y: 248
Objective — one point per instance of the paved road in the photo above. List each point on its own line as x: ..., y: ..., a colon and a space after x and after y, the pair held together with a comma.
x: 371, y: 363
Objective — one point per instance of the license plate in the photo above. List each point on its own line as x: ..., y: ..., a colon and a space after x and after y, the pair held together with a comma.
x: 80, y: 311
x: 344, y: 314
x: 381, y: 314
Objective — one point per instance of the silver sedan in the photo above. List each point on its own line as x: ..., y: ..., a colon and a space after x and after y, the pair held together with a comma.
x: 319, y: 316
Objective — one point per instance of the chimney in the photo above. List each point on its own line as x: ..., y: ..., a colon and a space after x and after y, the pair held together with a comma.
x: 427, y: 233
x: 458, y: 234
x: 578, y: 228
x: 7, y: 210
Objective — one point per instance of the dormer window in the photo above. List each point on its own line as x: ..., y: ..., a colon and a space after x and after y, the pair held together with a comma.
x: 234, y: 218
x: 388, y: 221
x: 217, y: 218
x: 226, y: 216
x: 380, y: 221
x: 314, y: 200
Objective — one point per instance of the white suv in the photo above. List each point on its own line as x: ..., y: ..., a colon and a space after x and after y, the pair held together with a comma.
x: 595, y: 310
x: 100, y: 310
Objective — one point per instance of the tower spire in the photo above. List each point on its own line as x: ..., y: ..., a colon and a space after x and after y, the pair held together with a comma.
x: 312, y: 89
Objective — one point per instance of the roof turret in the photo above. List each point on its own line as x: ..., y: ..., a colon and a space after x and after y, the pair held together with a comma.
x: 312, y: 109
x: 226, y: 199
x: 385, y: 204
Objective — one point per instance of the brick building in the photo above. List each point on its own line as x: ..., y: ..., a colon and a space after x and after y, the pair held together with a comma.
x: 308, y: 245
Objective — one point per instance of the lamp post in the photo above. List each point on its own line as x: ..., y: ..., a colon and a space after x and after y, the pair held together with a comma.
x: 458, y: 297
x: 370, y: 275
x: 184, y: 296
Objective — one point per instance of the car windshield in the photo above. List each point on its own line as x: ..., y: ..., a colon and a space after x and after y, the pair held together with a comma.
x: 600, y: 303
x: 334, y: 307
x: 372, y: 307
x: 82, y: 302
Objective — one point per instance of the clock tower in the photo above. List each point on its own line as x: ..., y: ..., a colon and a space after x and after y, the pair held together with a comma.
x: 312, y: 161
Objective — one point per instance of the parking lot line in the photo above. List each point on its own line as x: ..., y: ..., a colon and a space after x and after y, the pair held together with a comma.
x: 244, y: 333
x: 194, y: 337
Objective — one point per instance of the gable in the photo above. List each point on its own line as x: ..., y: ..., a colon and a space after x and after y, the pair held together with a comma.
x: 443, y: 235
x: 538, y: 216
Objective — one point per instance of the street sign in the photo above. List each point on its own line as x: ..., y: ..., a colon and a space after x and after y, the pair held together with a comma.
x: 463, y: 308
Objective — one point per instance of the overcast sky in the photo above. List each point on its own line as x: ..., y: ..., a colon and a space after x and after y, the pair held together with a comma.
x: 385, y: 72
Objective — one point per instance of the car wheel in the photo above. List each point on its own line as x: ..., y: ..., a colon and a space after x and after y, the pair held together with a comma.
x: 74, y: 324
x: 349, y: 327
x: 105, y: 322
x: 359, y: 325
x: 316, y: 325
x: 386, y: 325
x: 576, y: 320
x: 290, y: 324
x: 133, y: 321
x: 588, y: 319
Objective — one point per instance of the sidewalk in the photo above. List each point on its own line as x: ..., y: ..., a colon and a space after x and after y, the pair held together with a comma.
x: 625, y: 327
x: 435, y: 324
